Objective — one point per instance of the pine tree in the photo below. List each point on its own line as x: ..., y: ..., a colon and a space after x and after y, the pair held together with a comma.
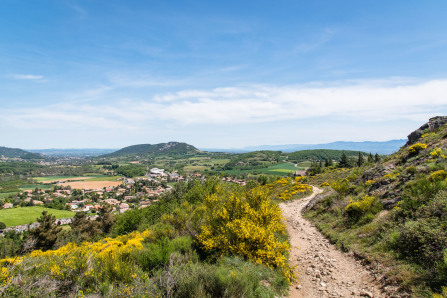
x: 328, y: 162
x: 344, y: 163
x: 360, y: 160
x: 47, y: 231
x: 376, y: 158
x: 370, y: 158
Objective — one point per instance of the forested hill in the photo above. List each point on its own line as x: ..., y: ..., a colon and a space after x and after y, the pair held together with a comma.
x: 18, y: 153
x: 321, y: 154
x: 170, y: 148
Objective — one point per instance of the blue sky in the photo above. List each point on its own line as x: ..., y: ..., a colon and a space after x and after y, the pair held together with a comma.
x: 108, y: 74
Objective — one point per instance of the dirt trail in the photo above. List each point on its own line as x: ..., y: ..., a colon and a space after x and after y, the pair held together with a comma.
x: 322, y: 270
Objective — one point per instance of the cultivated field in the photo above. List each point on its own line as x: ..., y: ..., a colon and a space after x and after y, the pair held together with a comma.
x: 27, y: 215
x: 92, y: 184
x: 51, y: 179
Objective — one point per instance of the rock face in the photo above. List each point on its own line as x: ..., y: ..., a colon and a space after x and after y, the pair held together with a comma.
x: 433, y: 124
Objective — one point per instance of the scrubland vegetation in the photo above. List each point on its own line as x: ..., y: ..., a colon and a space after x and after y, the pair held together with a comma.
x: 392, y: 214
x: 205, y: 238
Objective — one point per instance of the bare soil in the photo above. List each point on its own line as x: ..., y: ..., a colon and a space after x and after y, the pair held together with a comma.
x: 322, y: 270
x: 92, y: 184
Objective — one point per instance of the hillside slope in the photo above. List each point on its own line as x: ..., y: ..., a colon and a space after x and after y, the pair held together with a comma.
x: 393, y: 214
x: 18, y: 153
x: 170, y: 148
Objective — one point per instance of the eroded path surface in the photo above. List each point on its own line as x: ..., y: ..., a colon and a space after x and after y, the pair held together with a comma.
x: 322, y: 270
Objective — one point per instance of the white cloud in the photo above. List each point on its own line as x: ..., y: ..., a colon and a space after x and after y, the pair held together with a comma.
x: 358, y: 102
x: 366, y: 101
x: 37, y: 78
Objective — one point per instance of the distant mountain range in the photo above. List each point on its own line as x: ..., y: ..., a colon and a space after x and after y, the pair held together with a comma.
x: 85, y: 152
x: 387, y: 147
x: 178, y: 148
x: 170, y: 148
x: 18, y: 153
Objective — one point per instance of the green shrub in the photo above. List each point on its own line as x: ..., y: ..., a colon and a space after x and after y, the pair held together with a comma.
x: 365, y: 205
x: 156, y: 255
x: 231, y: 277
x: 441, y: 267
x: 422, y: 241
x: 437, y: 176
x: 411, y: 170
x: 341, y: 187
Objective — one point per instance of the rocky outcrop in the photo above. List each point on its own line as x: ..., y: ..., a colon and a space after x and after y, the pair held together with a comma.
x: 433, y: 124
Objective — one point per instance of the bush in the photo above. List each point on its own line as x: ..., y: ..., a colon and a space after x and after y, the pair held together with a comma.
x: 341, y: 187
x: 437, y: 176
x: 414, y: 149
x: 155, y: 255
x: 441, y: 267
x: 230, y: 277
x: 422, y: 241
x: 366, y: 205
x: 244, y: 224
x: 2, y: 225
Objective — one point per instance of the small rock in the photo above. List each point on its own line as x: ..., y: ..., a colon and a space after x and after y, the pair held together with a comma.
x: 366, y: 294
x: 298, y: 287
x: 323, y: 284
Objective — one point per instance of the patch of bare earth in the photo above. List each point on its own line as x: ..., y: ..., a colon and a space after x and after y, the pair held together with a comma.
x: 322, y: 270
x: 92, y: 184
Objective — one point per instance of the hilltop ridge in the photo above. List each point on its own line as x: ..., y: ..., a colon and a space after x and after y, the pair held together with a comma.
x: 171, y: 148
x: 18, y: 153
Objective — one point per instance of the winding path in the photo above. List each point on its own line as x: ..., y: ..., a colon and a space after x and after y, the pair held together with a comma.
x: 322, y: 270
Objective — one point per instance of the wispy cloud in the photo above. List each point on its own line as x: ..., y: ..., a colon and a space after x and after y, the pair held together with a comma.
x: 30, y: 77
x: 368, y: 102
x: 318, y: 41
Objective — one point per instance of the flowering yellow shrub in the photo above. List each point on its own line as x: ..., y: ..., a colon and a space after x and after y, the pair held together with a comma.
x: 391, y: 176
x: 414, y: 149
x: 245, y: 224
x: 341, y: 186
x: 107, y: 259
x: 428, y: 134
x: 356, y: 209
x: 324, y: 184
x: 369, y: 182
x: 438, y: 176
x: 438, y: 153
x: 285, y: 188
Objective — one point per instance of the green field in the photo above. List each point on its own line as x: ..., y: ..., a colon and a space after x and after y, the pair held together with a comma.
x: 49, y: 178
x: 33, y: 186
x: 26, y: 215
x: 104, y: 178
x: 280, y: 169
x: 7, y: 194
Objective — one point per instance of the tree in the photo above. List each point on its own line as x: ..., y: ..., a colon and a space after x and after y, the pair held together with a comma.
x: 85, y: 228
x: 370, y: 158
x: 106, y: 219
x: 328, y: 162
x: 360, y: 160
x: 47, y: 231
x: 344, y: 163
x: 376, y: 158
